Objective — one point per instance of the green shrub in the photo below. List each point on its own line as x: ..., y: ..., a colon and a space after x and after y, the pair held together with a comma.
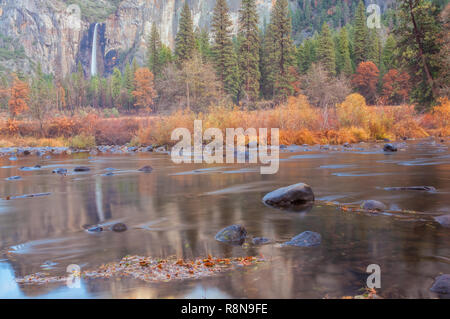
x: 82, y: 141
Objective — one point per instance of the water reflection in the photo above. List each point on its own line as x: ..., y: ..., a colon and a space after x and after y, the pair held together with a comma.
x: 177, y: 209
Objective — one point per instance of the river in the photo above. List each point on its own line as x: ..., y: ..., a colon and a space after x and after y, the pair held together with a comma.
x: 177, y: 210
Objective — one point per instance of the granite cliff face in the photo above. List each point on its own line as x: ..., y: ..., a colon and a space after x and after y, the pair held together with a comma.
x: 59, y: 35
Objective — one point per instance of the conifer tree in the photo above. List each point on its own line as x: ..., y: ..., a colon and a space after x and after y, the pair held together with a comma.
x: 360, y: 34
x: 280, y: 50
x: 388, y: 56
x: 203, y: 44
x: 153, y: 51
x: 185, y: 39
x: 249, y: 49
x: 325, y: 52
x: 373, y: 49
x: 344, y: 63
x: 418, y: 34
x: 225, y: 59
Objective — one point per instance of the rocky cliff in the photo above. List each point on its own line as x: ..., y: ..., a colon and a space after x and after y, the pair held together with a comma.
x: 59, y: 34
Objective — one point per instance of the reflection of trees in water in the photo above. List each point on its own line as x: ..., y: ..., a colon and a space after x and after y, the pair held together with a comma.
x: 187, y: 221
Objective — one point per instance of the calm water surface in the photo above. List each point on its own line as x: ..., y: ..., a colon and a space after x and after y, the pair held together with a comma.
x: 177, y: 210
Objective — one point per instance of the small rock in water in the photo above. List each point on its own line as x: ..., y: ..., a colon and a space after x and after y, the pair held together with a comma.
x: 412, y: 188
x: 119, y: 227
x: 26, y: 152
x: 95, y: 229
x: 305, y: 239
x: 261, y: 241
x: 81, y: 169
x: 296, y: 196
x: 109, y: 174
x: 441, y: 284
x: 389, y: 148
x: 13, y: 178
x: 146, y: 169
x: 234, y: 234
x: 347, y: 145
x: 444, y: 220
x: 373, y: 205
x: 61, y: 171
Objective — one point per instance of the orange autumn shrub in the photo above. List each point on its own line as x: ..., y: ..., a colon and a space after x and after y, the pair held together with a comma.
x: 63, y: 126
x: 442, y: 112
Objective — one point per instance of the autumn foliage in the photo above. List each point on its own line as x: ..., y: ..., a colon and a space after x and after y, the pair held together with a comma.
x: 144, y: 92
x: 18, y: 97
x: 365, y: 80
x: 396, y: 87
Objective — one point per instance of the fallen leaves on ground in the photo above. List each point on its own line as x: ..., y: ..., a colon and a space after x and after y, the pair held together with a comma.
x: 152, y: 270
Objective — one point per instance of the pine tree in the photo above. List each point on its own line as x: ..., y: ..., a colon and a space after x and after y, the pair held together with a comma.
x: 225, y: 59
x: 116, y: 83
x: 128, y: 84
x: 418, y: 33
x: 388, y: 56
x: 344, y: 63
x: 202, y: 43
x: 280, y: 51
x: 360, y: 34
x: 153, y: 51
x: 249, y: 49
x: 185, y: 39
x: 325, y: 52
x: 374, y: 50
x: 266, y: 66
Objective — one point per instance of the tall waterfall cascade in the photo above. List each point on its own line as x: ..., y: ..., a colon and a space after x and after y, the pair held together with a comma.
x: 94, y: 52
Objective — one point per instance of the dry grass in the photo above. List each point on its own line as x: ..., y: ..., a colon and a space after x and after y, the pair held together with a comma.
x: 299, y: 123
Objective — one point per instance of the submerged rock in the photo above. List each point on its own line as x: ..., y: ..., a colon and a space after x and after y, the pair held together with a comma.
x: 261, y: 241
x: 61, y: 171
x: 297, y: 196
x: 14, y: 178
x: 81, y: 169
x: 95, y: 229
x: 26, y: 168
x: 412, y: 188
x: 146, y: 169
x: 305, y: 239
x: 444, y: 220
x: 234, y: 234
x: 389, y: 148
x: 373, y: 205
x: 441, y: 284
x: 119, y: 227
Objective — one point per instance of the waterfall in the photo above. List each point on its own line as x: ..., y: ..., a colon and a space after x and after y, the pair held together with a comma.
x: 94, y: 52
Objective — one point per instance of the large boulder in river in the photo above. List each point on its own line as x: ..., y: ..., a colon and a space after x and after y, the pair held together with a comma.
x: 441, y: 284
x: 373, y: 205
x: 234, y: 235
x: 305, y: 239
x: 389, y: 148
x: 296, y: 197
x: 444, y: 220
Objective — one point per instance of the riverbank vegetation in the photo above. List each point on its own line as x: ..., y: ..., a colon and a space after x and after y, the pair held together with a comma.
x: 345, y: 82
